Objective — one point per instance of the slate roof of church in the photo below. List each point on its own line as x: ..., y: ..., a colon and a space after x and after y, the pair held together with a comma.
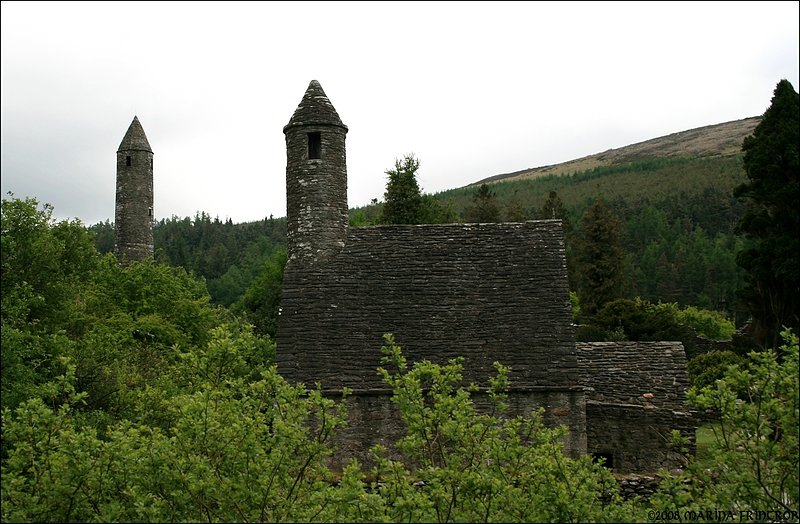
x: 488, y: 292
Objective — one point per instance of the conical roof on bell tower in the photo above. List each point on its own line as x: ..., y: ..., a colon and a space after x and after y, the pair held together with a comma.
x: 315, y: 109
x: 135, y: 139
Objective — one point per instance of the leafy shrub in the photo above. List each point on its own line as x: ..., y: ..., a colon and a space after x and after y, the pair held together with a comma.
x: 753, y: 463
x: 705, y: 369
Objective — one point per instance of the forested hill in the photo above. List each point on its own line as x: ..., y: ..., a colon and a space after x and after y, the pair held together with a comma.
x: 715, y: 140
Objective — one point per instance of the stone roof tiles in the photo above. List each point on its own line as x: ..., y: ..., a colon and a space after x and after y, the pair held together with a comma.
x: 635, y: 373
x: 487, y: 292
x: 315, y: 109
x: 135, y: 139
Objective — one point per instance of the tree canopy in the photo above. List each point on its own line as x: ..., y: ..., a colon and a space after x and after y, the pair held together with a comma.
x: 772, y: 220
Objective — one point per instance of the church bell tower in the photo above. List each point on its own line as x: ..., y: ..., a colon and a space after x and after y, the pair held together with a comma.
x: 316, y: 180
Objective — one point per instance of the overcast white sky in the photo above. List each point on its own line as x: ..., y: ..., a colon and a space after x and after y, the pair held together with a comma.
x: 473, y: 89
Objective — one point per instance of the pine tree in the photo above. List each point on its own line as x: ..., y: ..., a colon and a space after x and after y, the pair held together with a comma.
x: 554, y: 208
x: 599, y: 257
x: 484, y: 206
x: 772, y: 220
x: 514, y: 210
x: 403, y: 198
x: 404, y: 201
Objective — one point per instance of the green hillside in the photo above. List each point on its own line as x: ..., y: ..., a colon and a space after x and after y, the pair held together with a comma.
x: 634, y: 183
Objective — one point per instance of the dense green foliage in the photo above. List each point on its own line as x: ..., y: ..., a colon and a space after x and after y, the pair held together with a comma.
x: 44, y: 264
x: 772, y: 221
x: 120, y: 326
x: 625, y: 320
x: 227, y: 256
x: 753, y: 464
x: 130, y: 398
x: 705, y: 369
x: 261, y: 303
x: 232, y: 449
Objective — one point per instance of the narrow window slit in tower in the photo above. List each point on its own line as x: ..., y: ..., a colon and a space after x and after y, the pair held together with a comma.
x: 127, y: 160
x: 314, y: 146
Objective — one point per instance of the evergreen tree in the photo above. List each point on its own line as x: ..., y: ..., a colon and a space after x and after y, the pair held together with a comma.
x: 404, y: 201
x: 554, y: 208
x: 103, y: 236
x: 484, y: 206
x: 403, y: 198
x: 599, y: 257
x: 772, y: 220
x: 514, y: 210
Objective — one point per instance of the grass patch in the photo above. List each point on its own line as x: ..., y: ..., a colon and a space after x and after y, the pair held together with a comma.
x: 705, y: 439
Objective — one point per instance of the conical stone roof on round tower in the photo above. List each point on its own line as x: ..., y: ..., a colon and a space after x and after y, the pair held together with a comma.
x: 133, y: 216
x: 135, y: 139
x: 316, y: 180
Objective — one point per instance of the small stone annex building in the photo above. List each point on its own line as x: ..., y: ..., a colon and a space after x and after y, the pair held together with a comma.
x: 487, y: 292
x: 636, y: 395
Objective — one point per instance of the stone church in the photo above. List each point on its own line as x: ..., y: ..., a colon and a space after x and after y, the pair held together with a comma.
x: 487, y: 292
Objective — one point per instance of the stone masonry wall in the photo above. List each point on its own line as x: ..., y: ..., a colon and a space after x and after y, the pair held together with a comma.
x: 316, y: 195
x: 374, y: 419
x: 487, y: 292
x: 133, y: 216
x: 637, y: 438
x: 637, y: 397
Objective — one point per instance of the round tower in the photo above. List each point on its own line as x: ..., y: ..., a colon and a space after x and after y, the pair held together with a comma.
x: 133, y: 216
x: 316, y: 180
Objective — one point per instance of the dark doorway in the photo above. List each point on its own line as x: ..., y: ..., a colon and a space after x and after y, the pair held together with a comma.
x: 607, y: 458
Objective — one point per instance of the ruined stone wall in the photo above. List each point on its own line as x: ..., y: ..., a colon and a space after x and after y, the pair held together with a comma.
x: 133, y: 215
